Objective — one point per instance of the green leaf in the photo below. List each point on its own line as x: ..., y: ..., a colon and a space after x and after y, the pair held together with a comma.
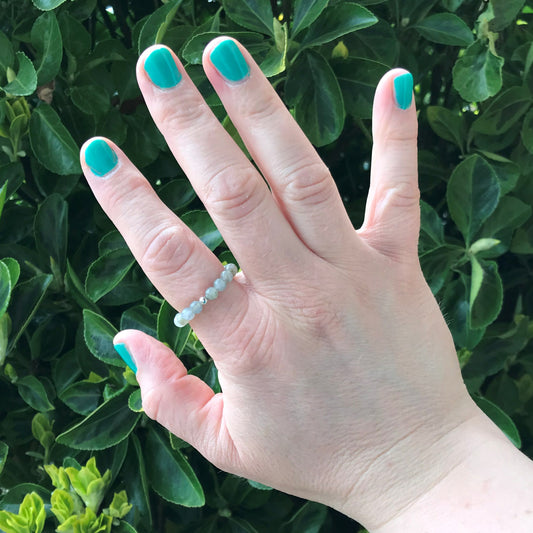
x: 203, y: 226
x: 7, y: 56
x: 98, y: 334
x: 437, y: 264
x: 309, y: 519
x: 477, y: 75
x: 526, y: 133
x: 484, y: 244
x: 25, y: 82
x: 431, y: 227
x: 76, y: 290
x: 4, y: 449
x: 319, y: 107
x: 447, y: 125
x: 25, y: 300
x: 32, y: 391
x: 473, y: 194
x: 156, y: 25
x: 82, y: 397
x: 5, y: 287
x: 500, y: 418
x: 108, y: 425
x: 135, y: 402
x: 504, y: 111
x: 275, y: 61
x: 3, y: 194
x: 91, y: 99
x: 358, y: 78
x: 169, y: 473
x: 486, y: 293
x: 107, y: 272
x: 305, y: 13
x: 445, y: 28
x: 46, y: 39
x: 336, y: 22
x: 51, y: 229
x: 255, y: 15
x: 47, y: 5
x: 505, y: 11
x: 167, y: 332
x: 141, y: 318
x: 52, y: 143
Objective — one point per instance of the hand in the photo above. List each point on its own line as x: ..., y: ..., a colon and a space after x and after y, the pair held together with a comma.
x: 340, y: 378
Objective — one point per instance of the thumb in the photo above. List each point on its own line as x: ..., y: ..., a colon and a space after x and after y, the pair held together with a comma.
x: 392, y: 218
x: 180, y: 402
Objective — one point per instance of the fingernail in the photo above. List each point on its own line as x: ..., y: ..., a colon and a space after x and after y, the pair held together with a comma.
x: 126, y: 356
x: 403, y: 90
x: 161, y: 68
x: 228, y: 60
x: 100, y: 157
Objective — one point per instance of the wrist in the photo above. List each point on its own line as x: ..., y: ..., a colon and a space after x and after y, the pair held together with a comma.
x: 477, y: 482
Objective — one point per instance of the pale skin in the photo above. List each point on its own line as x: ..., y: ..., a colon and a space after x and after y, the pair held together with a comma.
x: 339, y: 374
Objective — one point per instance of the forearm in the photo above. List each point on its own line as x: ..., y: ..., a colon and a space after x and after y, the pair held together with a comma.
x: 489, y: 491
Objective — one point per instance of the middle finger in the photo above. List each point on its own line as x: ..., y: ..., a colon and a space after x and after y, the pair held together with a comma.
x: 232, y: 190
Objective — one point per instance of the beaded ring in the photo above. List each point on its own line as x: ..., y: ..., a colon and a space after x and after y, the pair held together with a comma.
x: 195, y: 308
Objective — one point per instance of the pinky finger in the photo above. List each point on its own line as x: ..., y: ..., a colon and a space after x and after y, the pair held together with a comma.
x: 182, y: 403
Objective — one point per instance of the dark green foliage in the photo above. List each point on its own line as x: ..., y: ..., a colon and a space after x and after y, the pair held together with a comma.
x: 68, y: 283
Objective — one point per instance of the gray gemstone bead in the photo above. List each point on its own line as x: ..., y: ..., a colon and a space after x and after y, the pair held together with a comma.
x: 187, y: 314
x: 179, y: 321
x: 219, y: 284
x: 230, y: 267
x: 211, y: 293
x: 226, y: 275
x: 196, y: 307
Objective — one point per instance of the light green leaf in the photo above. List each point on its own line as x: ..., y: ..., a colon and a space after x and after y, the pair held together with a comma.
x: 486, y: 293
x: 105, y: 427
x: 255, y: 15
x: 47, y: 5
x: 156, y: 25
x: 46, y: 39
x: 314, y: 91
x: 169, y: 473
x: 336, y: 22
x: 107, y: 272
x: 52, y: 143
x: 98, y: 334
x: 25, y: 82
x: 445, y: 28
x: 305, y: 13
x: 51, y: 229
x: 274, y: 62
x: 477, y: 75
x: 203, y: 226
x: 135, y: 402
x: 32, y: 391
x: 484, y: 244
x: 473, y: 194
x: 500, y: 418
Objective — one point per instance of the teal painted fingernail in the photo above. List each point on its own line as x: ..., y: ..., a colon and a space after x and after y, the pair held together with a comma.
x: 403, y: 90
x: 229, y: 61
x: 100, y: 157
x: 161, y: 68
x: 127, y: 358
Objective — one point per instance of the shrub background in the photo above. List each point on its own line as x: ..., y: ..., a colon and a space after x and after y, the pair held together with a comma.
x: 68, y: 282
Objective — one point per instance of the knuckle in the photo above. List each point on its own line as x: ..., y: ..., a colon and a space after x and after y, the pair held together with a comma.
x: 259, y: 109
x: 234, y: 191
x: 183, y: 116
x: 309, y: 183
x: 166, y: 250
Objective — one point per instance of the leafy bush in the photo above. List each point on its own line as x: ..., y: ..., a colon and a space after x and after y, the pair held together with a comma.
x: 68, y: 282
